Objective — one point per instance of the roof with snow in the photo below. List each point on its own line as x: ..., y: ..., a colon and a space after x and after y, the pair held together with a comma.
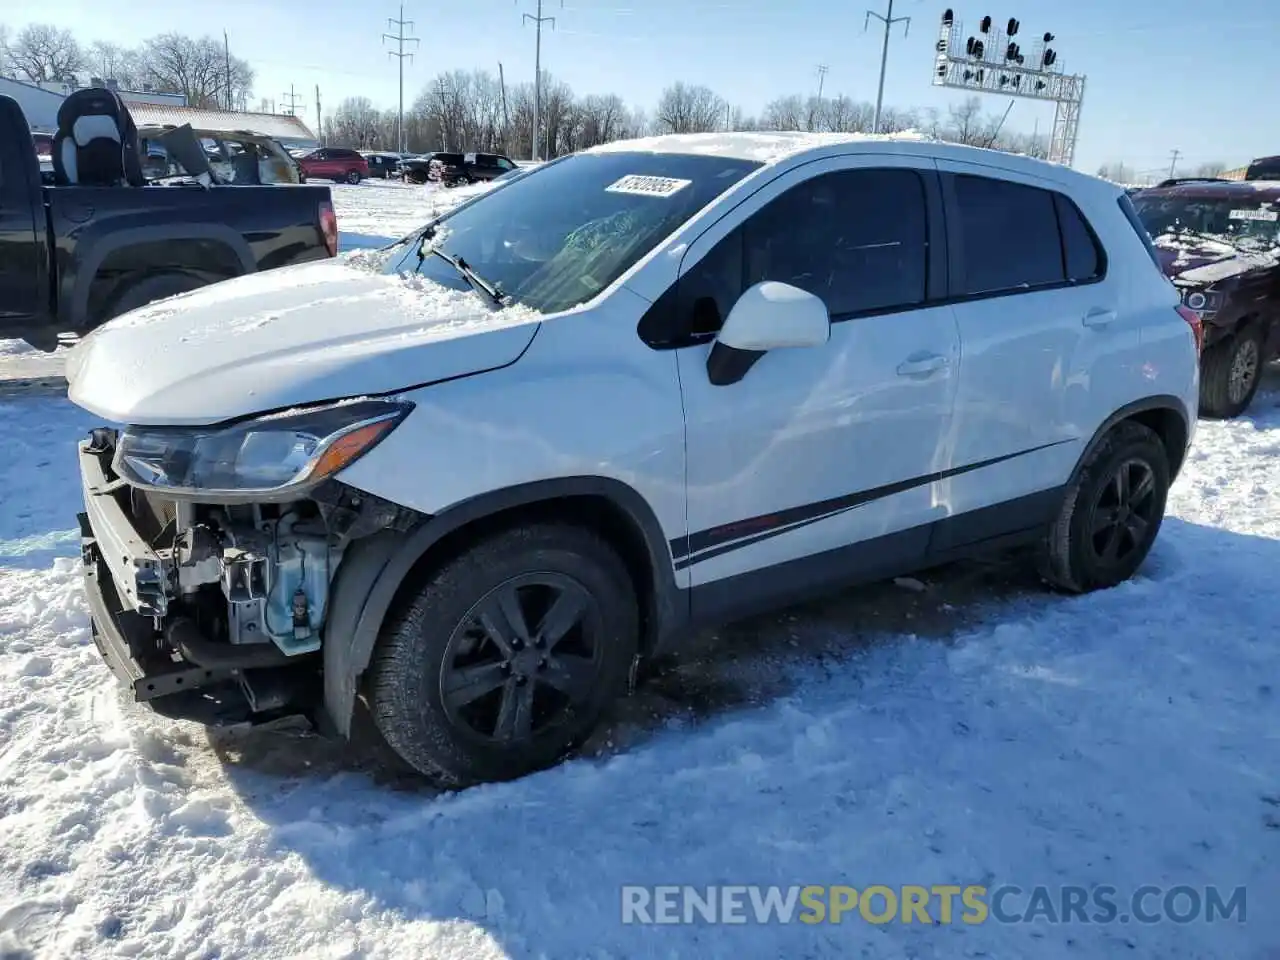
x: 775, y: 146
x: 760, y: 147
x: 278, y: 126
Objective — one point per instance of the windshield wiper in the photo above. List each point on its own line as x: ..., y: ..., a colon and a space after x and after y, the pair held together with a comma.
x: 476, y: 282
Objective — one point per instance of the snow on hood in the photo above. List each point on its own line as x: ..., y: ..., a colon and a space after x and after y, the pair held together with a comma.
x: 1202, y: 260
x: 288, y: 337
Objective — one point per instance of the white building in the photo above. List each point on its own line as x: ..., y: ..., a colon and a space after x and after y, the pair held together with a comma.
x: 40, y: 102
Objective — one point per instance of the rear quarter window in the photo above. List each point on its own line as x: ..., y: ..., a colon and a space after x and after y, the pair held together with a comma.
x: 1082, y: 254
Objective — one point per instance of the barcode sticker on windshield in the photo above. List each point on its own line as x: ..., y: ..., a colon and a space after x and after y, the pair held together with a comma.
x: 648, y: 186
x: 1269, y: 215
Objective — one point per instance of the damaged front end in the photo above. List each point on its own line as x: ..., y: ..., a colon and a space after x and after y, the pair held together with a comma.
x: 210, y: 555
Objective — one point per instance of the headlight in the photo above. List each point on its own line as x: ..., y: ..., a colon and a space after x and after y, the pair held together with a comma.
x: 1203, y: 301
x: 265, y: 458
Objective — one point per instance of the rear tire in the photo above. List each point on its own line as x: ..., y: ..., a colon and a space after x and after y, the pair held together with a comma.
x: 1230, y: 372
x: 464, y: 697
x: 150, y: 289
x: 1111, y: 513
x: 353, y: 177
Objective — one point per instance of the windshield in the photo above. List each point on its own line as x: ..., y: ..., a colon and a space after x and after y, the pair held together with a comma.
x: 556, y: 237
x: 1241, y: 221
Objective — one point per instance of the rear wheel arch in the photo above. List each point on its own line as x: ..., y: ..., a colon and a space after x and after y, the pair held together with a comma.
x: 1165, y: 415
x: 380, y: 570
x: 211, y: 251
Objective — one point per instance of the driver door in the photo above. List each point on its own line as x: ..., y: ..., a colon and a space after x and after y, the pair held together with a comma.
x: 818, y: 466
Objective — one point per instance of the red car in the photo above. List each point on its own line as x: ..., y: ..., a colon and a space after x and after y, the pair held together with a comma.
x: 334, y: 163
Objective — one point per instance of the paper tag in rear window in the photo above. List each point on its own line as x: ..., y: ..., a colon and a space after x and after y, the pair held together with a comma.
x: 1269, y: 215
x: 643, y: 186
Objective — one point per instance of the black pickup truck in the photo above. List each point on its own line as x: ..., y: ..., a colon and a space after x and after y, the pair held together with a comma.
x: 79, y: 244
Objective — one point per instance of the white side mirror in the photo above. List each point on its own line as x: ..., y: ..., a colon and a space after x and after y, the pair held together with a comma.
x: 768, y: 316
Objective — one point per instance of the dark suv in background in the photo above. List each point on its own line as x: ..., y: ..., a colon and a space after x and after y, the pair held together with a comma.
x: 456, y: 169
x: 1219, y: 241
x: 1264, y: 168
x: 334, y: 163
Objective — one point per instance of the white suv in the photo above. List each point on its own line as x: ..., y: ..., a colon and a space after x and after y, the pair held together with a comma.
x: 473, y: 478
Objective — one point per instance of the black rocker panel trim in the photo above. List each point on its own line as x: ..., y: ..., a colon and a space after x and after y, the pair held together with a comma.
x: 716, y: 541
x: 987, y: 530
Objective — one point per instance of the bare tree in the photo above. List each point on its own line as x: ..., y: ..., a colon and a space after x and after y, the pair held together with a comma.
x: 1116, y: 172
x: 6, y: 67
x: 197, y: 68
x: 42, y: 52
x: 689, y: 109
x: 845, y: 115
x: 784, y: 113
x: 601, y: 119
x: 110, y: 61
x: 965, y: 123
x: 356, y: 123
x: 1213, y: 168
x: 739, y: 120
x: 895, y: 120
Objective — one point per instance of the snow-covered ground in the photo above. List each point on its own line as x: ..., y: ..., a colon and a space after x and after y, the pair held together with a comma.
x: 973, y: 731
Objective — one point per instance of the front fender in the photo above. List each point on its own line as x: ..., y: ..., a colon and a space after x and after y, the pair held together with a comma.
x: 374, y: 567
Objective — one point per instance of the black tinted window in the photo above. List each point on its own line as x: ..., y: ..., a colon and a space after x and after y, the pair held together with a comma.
x: 1010, y: 235
x: 857, y: 239
x: 1080, y: 247
x: 1267, y: 168
x: 854, y: 238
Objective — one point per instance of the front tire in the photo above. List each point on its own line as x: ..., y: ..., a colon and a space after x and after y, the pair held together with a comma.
x: 506, y: 658
x: 1230, y: 373
x: 1111, y: 513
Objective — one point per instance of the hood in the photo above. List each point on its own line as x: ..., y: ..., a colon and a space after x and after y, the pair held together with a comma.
x: 1199, y: 261
x: 288, y: 337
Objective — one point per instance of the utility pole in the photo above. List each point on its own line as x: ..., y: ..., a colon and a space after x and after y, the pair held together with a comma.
x: 401, y: 39
x: 292, y: 99
x: 888, y: 20
x: 1173, y: 164
x: 822, y: 76
x: 506, y: 120
x: 226, y: 50
x: 538, y: 21
x: 319, y: 122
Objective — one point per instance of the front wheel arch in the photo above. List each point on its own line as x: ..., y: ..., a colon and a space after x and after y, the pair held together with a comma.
x: 376, y: 570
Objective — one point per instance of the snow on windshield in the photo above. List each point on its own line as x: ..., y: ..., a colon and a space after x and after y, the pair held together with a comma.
x: 1233, y: 223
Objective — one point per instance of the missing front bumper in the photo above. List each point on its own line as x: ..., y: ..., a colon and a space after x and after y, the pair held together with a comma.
x: 161, y: 679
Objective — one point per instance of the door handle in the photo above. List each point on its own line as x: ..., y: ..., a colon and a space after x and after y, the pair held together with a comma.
x: 1099, y: 318
x: 922, y: 366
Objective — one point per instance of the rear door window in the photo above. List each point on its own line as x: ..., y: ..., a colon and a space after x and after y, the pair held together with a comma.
x: 1010, y: 236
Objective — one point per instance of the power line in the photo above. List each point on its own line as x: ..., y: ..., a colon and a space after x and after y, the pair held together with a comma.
x: 888, y: 20
x: 537, y: 22
x: 399, y: 53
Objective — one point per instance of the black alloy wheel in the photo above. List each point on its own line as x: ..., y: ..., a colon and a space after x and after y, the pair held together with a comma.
x: 525, y: 658
x: 1122, y: 513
